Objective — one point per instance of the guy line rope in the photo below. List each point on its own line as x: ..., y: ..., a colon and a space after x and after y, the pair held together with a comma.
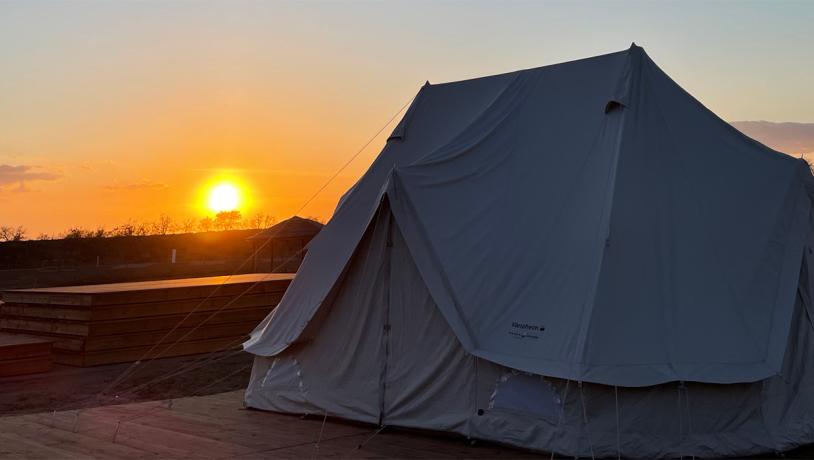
x: 208, y: 358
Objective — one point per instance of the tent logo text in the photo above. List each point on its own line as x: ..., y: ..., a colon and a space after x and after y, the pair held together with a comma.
x: 525, y: 330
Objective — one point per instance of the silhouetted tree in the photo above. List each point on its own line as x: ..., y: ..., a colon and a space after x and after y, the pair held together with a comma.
x: 227, y: 220
x: 206, y: 224
x: 75, y: 233
x: 79, y: 232
x: 142, y: 229
x: 125, y: 229
x: 188, y: 225
x: 163, y: 225
x: 12, y: 233
x: 260, y: 220
x: 224, y: 220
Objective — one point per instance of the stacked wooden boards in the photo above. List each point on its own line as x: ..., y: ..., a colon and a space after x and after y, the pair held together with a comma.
x: 121, y: 322
x: 21, y: 354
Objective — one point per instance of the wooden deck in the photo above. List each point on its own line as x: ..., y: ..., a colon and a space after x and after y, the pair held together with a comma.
x: 217, y: 426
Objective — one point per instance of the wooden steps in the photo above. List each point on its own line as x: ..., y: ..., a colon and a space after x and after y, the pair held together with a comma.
x: 167, y: 349
x: 21, y: 354
x: 146, y: 309
x: 114, y: 323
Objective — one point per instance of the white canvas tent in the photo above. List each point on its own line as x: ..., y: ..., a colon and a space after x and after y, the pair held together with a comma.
x: 578, y: 258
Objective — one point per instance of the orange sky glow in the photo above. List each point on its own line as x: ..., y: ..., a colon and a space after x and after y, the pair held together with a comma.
x: 118, y: 111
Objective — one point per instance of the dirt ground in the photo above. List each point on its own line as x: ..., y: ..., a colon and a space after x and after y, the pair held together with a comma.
x: 66, y: 388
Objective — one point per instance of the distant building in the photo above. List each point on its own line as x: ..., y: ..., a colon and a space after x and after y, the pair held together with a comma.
x: 281, y: 247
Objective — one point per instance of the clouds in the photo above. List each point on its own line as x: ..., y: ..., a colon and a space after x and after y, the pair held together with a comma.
x: 791, y: 138
x: 21, y: 175
x: 143, y: 184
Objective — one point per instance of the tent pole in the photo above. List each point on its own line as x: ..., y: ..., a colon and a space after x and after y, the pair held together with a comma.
x: 386, y: 326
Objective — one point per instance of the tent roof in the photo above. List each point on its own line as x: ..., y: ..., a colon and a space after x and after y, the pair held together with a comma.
x: 294, y: 227
x: 656, y: 242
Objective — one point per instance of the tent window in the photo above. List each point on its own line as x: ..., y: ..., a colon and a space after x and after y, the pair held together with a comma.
x: 284, y: 373
x: 612, y: 105
x: 526, y: 393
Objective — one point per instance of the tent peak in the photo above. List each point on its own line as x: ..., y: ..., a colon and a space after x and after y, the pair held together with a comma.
x: 634, y: 48
x: 627, y: 80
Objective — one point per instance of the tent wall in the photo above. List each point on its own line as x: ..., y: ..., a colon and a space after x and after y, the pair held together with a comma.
x: 536, y: 412
x: 337, y: 370
x: 700, y: 268
x: 649, y: 242
x: 667, y: 420
x: 652, y: 242
x: 427, y: 368
x: 592, y: 420
x: 438, y: 114
x: 416, y: 374
x: 382, y: 351
x: 788, y: 400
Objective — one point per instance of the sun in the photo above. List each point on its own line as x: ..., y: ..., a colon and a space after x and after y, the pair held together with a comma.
x: 224, y: 197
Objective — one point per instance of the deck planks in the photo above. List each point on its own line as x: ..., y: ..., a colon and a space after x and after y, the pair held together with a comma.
x: 215, y: 427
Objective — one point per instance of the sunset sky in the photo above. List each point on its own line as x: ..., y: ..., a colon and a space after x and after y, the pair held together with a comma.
x: 112, y: 111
